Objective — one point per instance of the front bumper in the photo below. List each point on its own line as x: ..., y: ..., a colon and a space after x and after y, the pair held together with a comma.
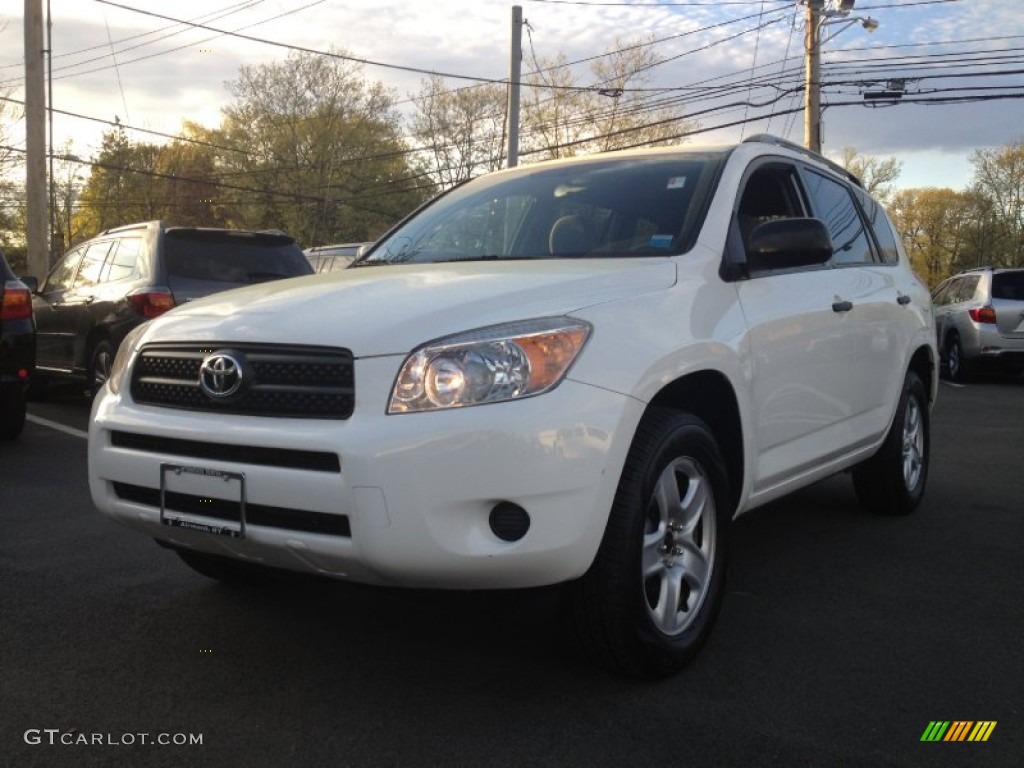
x: 416, y: 490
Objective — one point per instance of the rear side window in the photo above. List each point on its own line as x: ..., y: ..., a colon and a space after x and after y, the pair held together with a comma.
x: 964, y: 289
x: 122, y: 259
x: 238, y: 259
x: 882, y: 227
x: 92, y: 264
x: 1008, y: 285
x: 834, y: 205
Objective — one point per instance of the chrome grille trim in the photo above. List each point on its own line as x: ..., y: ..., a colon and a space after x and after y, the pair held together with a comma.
x: 284, y: 381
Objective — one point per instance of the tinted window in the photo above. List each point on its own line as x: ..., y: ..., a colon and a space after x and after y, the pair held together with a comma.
x: 882, y: 227
x: 63, y: 275
x: 238, y: 259
x: 599, y: 207
x: 834, y: 205
x: 771, y: 192
x: 1008, y: 285
x: 122, y: 259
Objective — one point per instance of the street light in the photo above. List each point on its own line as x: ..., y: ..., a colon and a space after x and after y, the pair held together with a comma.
x: 818, y: 15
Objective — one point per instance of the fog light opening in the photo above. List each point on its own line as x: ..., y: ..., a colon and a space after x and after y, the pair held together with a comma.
x: 509, y: 521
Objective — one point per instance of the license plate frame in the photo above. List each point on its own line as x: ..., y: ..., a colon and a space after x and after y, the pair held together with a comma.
x: 196, y: 521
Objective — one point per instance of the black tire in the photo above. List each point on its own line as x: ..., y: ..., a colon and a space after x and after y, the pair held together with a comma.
x: 892, y: 481
x: 649, y: 600
x: 100, y: 363
x: 12, y: 411
x: 956, y: 367
x: 224, y: 569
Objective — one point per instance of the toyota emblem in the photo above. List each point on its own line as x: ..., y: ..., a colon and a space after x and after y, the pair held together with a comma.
x: 220, y: 375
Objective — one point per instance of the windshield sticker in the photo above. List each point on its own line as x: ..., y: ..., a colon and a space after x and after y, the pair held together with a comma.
x: 676, y: 182
x: 660, y: 241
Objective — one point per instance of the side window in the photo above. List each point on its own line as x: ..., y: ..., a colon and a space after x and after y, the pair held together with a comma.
x: 882, y: 228
x: 834, y: 205
x: 943, y: 292
x: 62, y: 277
x: 771, y: 192
x: 92, y: 264
x: 121, y: 260
x: 965, y: 289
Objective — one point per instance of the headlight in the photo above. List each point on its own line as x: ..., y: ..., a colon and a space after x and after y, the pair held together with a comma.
x: 122, y: 358
x: 489, y: 365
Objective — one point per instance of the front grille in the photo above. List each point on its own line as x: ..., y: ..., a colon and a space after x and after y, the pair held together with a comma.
x: 315, y: 461
x: 222, y: 509
x: 277, y: 380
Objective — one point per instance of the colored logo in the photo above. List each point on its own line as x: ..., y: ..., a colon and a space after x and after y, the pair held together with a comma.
x: 958, y: 730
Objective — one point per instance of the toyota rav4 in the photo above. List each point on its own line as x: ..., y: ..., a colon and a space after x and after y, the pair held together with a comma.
x: 574, y: 372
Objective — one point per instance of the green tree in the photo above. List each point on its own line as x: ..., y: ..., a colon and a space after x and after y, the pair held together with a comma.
x: 317, y: 151
x: 999, y: 179
x: 938, y: 228
x: 120, y: 188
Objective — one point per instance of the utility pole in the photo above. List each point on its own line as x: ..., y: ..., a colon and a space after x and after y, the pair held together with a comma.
x: 812, y: 84
x: 515, y: 73
x: 35, y: 141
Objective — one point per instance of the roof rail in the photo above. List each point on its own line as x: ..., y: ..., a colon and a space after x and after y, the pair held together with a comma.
x: 767, y: 138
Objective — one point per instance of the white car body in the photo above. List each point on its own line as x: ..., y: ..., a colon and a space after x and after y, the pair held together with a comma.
x: 815, y: 391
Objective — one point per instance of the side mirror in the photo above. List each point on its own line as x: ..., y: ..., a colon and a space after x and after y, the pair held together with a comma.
x: 31, y: 282
x: 789, y: 243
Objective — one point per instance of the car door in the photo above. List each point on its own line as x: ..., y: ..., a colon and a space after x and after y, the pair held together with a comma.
x: 71, y: 315
x: 874, y: 329
x: 54, y: 345
x: 798, y: 364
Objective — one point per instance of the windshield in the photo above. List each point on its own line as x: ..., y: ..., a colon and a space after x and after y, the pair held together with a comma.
x: 600, y: 207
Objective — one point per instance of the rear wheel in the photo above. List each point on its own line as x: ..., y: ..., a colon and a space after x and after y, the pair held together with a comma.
x: 12, y: 411
x: 649, y: 600
x: 956, y: 367
x: 892, y: 481
x: 100, y: 364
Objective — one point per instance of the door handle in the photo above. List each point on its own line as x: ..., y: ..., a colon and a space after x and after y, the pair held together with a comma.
x: 842, y: 306
x: 902, y: 299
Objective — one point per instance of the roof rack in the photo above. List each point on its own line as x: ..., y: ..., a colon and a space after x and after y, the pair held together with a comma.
x: 767, y: 138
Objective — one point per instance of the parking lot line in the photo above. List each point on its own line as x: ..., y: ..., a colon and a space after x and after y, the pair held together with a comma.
x: 55, y: 425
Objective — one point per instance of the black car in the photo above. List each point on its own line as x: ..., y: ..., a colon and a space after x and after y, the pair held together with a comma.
x: 104, y: 287
x: 17, y: 350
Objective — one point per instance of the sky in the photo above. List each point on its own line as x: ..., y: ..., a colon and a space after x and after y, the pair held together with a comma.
x: 729, y: 60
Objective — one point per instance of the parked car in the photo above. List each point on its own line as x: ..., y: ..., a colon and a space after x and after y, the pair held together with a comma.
x: 328, y: 258
x: 17, y: 349
x: 572, y: 372
x: 979, y: 320
x: 106, y: 286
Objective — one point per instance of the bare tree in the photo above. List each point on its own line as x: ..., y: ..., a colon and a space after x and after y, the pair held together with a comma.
x: 461, y: 130
x: 875, y: 173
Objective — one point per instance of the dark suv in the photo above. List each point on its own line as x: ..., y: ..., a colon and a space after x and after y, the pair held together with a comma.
x: 106, y: 286
x: 17, y: 350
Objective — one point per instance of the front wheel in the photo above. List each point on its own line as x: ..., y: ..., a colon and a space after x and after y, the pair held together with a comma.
x: 649, y: 600
x: 892, y: 481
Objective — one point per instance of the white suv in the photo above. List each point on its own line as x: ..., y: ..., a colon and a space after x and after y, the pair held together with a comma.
x: 578, y: 371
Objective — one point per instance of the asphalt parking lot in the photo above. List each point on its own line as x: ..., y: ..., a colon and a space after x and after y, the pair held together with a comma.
x: 842, y: 637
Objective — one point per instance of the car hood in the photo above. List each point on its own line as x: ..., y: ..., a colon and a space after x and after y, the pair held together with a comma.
x: 380, y: 310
